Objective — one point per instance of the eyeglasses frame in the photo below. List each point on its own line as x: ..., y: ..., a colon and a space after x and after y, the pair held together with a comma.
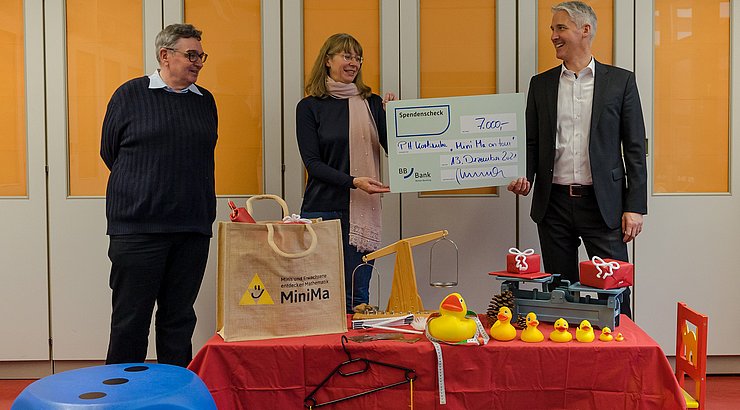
x: 192, y: 56
x: 349, y: 57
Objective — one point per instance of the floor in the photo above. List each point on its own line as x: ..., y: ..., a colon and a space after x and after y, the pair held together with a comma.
x: 9, y: 389
x: 723, y: 392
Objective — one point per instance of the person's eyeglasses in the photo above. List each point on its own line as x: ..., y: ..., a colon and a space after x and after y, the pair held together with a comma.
x: 350, y: 57
x: 191, y: 55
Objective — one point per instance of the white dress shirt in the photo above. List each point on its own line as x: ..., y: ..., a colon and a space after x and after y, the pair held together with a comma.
x: 575, y: 100
x: 155, y: 81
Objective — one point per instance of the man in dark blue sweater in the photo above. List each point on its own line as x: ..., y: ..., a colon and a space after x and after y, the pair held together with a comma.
x: 158, y: 140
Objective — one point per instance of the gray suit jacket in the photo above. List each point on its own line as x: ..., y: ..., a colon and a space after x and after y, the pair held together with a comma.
x: 616, y: 144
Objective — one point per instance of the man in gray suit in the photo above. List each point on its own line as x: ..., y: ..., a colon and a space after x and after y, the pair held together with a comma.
x: 585, y: 151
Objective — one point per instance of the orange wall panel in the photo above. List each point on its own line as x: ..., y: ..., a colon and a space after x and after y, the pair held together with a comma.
x: 104, y: 40
x: 602, y: 46
x: 691, y: 109
x: 232, y: 37
x: 458, y: 56
x: 13, y: 168
x: 457, y: 48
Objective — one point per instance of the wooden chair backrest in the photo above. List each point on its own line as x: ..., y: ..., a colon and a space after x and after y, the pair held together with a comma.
x: 691, y: 350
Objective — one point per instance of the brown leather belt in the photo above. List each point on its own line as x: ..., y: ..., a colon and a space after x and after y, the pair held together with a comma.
x: 575, y: 190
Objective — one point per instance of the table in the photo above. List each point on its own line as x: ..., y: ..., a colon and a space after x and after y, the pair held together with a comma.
x: 279, y: 373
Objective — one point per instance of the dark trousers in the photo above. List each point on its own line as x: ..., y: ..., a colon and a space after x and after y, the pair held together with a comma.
x: 352, y: 259
x: 569, y: 220
x: 147, y: 268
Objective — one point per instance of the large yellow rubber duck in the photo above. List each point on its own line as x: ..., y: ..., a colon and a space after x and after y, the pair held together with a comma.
x: 531, y: 334
x: 606, y: 335
x: 585, y: 333
x: 452, y: 326
x: 561, y: 333
x: 503, y: 330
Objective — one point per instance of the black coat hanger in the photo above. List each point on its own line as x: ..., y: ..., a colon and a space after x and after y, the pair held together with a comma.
x: 310, y: 401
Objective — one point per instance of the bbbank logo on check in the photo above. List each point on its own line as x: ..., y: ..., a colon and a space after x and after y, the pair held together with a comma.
x: 424, y: 176
x: 256, y: 293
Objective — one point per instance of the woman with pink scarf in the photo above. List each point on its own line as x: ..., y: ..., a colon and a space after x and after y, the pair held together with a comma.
x: 340, y: 127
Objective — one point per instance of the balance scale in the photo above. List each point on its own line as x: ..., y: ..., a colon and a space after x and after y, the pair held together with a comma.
x: 564, y: 301
x: 404, y: 298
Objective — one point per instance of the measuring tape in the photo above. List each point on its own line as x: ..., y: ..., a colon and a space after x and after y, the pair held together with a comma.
x: 480, y: 338
x: 481, y: 333
x: 440, y: 373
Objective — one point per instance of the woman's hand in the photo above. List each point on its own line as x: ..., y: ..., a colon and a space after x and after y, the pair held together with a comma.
x: 389, y: 97
x: 370, y: 185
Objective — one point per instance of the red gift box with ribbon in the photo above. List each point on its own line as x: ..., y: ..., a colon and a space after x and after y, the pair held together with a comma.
x: 606, y: 273
x: 522, y: 261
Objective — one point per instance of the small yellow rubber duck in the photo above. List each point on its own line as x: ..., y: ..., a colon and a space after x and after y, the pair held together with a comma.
x: 606, y: 335
x: 503, y: 330
x: 585, y: 333
x: 531, y: 334
x: 619, y: 337
x: 452, y: 326
x: 561, y: 333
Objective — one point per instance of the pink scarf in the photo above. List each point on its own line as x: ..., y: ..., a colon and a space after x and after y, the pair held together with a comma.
x: 364, y: 161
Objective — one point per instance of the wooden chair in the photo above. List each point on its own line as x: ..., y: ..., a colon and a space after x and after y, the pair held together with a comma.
x: 691, y: 354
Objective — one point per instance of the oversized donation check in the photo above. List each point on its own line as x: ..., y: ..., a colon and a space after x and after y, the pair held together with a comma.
x: 457, y: 142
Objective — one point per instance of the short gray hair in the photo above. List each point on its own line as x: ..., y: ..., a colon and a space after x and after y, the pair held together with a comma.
x: 170, y: 34
x: 580, y: 12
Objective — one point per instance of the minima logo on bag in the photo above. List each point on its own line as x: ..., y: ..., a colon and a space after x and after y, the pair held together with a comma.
x: 305, y: 289
x: 256, y: 293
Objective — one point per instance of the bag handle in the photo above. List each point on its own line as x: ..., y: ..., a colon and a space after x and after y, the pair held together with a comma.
x: 273, y: 245
x: 267, y: 196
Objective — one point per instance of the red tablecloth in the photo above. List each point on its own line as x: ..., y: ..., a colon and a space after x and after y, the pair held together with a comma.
x: 280, y: 373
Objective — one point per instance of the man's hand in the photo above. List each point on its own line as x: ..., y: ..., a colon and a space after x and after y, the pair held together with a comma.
x: 519, y: 186
x: 631, y: 225
x: 370, y: 185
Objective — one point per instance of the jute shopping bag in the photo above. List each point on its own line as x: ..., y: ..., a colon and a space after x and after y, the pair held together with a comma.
x: 280, y: 280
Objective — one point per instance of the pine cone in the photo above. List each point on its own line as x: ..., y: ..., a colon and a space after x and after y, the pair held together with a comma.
x: 521, y: 322
x: 497, y: 302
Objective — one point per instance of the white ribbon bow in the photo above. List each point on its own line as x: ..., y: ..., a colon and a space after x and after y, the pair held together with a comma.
x: 296, y: 219
x: 600, y: 263
x: 521, y: 257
